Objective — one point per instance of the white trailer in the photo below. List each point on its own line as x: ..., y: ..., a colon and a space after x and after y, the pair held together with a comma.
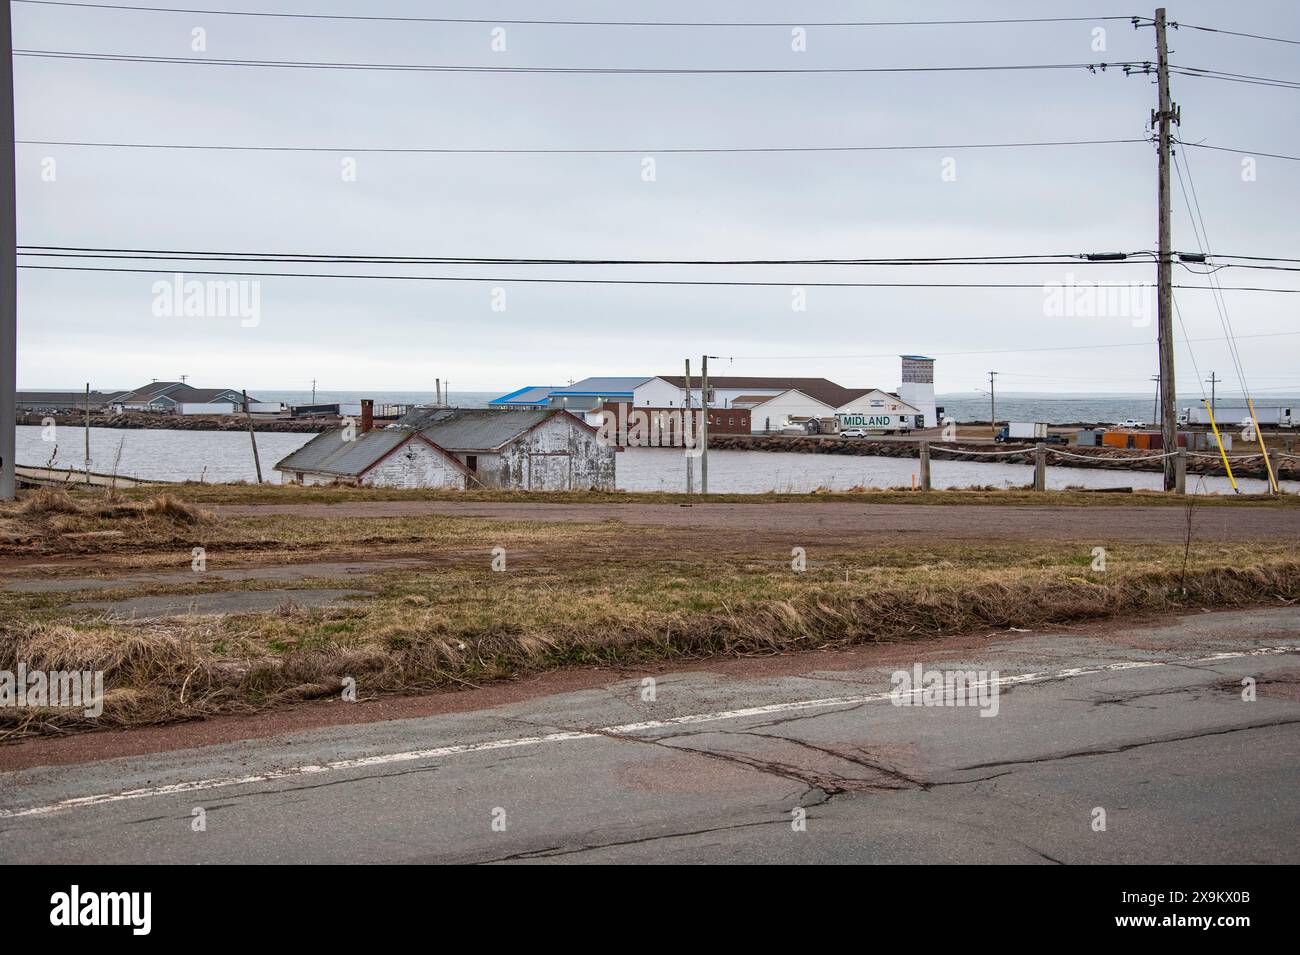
x: 875, y: 422
x: 1022, y: 431
x: 1235, y: 416
x: 207, y: 407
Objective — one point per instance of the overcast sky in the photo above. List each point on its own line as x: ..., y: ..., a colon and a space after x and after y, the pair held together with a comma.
x: 396, y: 335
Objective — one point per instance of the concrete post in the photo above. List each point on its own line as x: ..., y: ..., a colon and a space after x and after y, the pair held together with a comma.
x: 1180, y: 471
x: 925, y: 465
x: 1040, y: 466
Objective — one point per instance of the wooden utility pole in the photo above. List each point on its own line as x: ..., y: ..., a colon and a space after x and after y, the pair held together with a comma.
x: 704, y: 424
x: 87, y: 432
x: 1163, y: 118
x: 248, y: 418
x: 688, y: 427
x: 993, y: 405
x: 1212, y: 381
x: 8, y: 267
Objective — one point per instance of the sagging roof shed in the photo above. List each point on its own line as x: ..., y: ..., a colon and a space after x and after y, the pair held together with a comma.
x: 474, y: 429
x: 328, y: 453
x: 449, y: 431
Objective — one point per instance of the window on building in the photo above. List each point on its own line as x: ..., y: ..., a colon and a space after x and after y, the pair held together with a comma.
x: 471, y: 461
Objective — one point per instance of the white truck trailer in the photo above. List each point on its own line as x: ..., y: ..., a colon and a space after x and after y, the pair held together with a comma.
x: 1022, y: 431
x: 1236, y: 416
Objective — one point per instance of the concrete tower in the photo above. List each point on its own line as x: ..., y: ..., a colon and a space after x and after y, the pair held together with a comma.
x: 917, y: 388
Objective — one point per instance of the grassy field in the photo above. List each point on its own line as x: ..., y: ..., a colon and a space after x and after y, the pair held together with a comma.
x: 289, y: 494
x: 572, y: 594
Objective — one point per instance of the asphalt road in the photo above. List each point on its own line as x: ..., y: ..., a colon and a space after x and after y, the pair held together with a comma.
x: 1144, y: 723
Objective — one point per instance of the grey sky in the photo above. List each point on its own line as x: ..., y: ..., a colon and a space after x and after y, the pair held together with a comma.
x: 370, y: 334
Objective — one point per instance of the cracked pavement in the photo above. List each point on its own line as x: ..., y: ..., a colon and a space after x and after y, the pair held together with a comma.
x: 1185, y: 769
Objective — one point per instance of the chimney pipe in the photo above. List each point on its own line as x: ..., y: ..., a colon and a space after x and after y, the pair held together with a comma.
x: 367, y: 414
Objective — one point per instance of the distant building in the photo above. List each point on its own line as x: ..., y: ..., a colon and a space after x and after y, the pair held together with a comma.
x: 457, y: 448
x: 45, y: 401
x: 917, y: 388
x: 531, y: 398
x: 771, y: 402
x: 170, y: 396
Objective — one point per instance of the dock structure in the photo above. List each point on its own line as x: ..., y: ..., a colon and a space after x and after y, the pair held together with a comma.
x: 72, y: 477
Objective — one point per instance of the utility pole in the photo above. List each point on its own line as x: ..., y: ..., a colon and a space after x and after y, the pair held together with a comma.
x: 993, y: 404
x: 8, y: 266
x: 87, y: 432
x: 248, y: 419
x: 704, y: 424
x: 688, y: 427
x: 1155, y: 404
x: 1164, y: 116
x: 313, y: 391
x: 1212, y: 381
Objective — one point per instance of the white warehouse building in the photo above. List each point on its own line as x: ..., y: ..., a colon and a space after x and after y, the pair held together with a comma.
x: 771, y: 401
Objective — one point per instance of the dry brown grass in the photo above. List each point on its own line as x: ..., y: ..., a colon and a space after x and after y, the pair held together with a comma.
x: 53, y: 521
x: 465, y: 625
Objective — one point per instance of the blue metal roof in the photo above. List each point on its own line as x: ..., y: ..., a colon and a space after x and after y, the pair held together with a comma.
x: 528, y: 395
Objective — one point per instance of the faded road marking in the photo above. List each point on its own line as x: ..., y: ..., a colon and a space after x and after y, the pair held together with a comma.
x: 198, y: 785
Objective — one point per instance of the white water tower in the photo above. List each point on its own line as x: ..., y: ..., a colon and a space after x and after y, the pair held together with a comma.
x: 917, y: 388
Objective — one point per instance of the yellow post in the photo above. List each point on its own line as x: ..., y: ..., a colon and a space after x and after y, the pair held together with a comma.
x: 1223, y: 454
x: 1268, y: 465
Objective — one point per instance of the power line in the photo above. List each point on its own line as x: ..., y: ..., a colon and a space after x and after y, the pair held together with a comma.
x: 83, y: 252
x: 1229, y: 149
x: 1017, y: 259
x: 1252, y: 36
x: 536, y: 22
x: 567, y: 281
x: 444, y: 68
x: 992, y: 351
x: 566, y: 150
x: 311, y: 259
x: 1198, y: 73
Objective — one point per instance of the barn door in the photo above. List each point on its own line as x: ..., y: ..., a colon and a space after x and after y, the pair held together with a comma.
x: 550, y: 471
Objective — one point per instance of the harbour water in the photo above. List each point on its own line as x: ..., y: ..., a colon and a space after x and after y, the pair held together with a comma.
x: 1053, y: 408
x: 226, y: 456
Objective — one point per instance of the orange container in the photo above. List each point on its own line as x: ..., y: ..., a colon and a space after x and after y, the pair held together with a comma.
x: 1115, y: 439
x: 1141, y: 439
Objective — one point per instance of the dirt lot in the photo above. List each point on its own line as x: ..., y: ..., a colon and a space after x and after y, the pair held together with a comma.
x: 842, y: 522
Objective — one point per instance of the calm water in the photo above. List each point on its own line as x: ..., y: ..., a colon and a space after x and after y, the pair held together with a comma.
x: 1055, y: 408
x: 223, y: 456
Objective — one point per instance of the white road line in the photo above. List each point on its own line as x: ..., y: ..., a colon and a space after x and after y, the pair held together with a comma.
x: 198, y: 785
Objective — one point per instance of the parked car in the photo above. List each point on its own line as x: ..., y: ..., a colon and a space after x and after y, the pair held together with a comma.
x: 853, y: 433
x: 1130, y: 423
